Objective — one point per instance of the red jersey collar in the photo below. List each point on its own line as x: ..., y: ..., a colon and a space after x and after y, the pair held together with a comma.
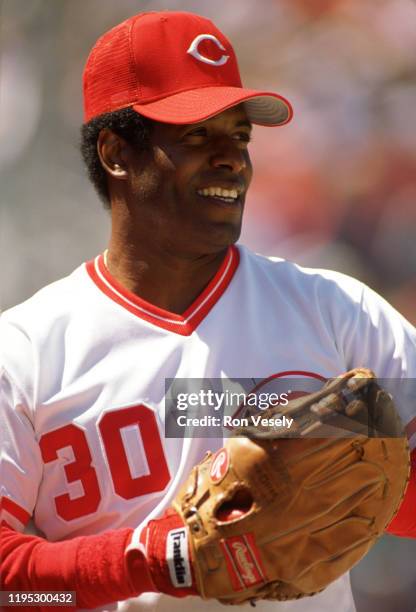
x: 183, y: 324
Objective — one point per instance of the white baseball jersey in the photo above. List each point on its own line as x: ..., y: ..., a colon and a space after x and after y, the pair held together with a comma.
x: 83, y: 369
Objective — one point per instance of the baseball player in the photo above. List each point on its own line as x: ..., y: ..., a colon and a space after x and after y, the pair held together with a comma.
x: 83, y: 363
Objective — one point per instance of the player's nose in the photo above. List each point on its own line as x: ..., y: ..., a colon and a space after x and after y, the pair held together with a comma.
x: 229, y: 154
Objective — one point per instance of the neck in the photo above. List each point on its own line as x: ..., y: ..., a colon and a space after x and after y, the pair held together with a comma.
x: 167, y: 280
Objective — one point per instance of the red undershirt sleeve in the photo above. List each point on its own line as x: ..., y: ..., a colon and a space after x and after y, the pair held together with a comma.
x: 92, y: 566
x: 404, y: 523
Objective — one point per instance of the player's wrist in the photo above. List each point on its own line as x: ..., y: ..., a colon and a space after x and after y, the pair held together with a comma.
x: 158, y: 557
x: 138, y: 571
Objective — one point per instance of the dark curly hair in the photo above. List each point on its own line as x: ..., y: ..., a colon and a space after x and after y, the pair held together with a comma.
x: 128, y: 124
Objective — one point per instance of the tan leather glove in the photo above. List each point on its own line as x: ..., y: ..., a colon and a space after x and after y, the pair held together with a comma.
x: 275, y: 518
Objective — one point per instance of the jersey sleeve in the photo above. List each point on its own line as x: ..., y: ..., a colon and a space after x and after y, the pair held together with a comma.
x: 383, y: 336
x: 378, y: 337
x: 371, y: 333
x: 20, y: 459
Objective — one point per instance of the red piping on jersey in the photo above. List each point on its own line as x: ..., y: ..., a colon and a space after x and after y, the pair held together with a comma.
x: 14, y: 509
x: 302, y: 373
x: 183, y: 324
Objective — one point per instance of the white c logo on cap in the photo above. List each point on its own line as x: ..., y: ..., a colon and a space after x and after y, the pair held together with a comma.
x: 193, y: 50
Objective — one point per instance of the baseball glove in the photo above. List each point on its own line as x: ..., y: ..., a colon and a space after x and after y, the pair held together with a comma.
x: 275, y: 518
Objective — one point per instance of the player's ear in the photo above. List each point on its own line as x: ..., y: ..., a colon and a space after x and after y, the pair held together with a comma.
x: 113, y: 153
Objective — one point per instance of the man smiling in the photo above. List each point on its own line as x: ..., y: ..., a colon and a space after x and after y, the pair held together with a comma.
x: 84, y: 362
x: 178, y: 203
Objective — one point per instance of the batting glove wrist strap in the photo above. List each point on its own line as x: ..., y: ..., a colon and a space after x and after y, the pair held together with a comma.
x: 164, y: 542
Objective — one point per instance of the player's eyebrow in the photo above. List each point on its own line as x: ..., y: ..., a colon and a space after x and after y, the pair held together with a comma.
x: 244, y: 123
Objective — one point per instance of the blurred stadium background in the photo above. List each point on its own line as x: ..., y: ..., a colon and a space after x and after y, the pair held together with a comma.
x: 336, y: 188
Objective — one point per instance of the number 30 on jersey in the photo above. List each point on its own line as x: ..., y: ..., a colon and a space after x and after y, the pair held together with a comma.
x: 82, y: 469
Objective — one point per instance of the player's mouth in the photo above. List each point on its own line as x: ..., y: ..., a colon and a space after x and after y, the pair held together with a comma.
x: 226, y: 196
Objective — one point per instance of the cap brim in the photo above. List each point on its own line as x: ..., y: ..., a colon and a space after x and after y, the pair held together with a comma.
x: 262, y: 107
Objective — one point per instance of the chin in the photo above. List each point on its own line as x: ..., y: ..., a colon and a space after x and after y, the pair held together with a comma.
x: 221, y: 236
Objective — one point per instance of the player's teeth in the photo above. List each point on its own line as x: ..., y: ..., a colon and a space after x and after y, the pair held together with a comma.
x: 219, y: 192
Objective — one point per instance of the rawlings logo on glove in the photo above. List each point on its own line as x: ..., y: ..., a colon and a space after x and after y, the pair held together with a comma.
x: 243, y: 561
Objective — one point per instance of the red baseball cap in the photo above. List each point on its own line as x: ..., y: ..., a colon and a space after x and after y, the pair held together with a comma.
x: 172, y: 67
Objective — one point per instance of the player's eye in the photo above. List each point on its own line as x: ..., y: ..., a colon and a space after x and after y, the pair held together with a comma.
x: 243, y: 136
x: 195, y: 134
